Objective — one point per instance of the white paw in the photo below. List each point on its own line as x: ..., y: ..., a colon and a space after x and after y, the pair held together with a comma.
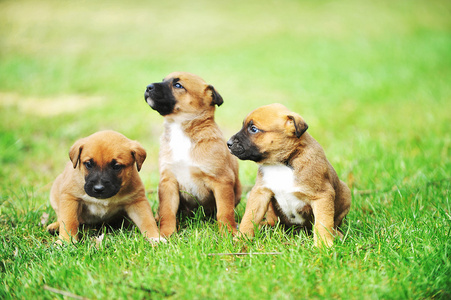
x: 157, y: 240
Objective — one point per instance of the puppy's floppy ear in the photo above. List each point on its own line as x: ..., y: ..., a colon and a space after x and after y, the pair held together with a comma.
x: 215, y: 97
x: 295, y: 125
x: 75, y: 151
x: 138, y: 153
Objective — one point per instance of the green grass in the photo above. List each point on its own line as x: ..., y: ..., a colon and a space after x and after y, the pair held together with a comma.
x: 371, y: 78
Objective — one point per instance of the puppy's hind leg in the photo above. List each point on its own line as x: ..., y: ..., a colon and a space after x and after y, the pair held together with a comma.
x: 271, y: 217
x: 342, y: 204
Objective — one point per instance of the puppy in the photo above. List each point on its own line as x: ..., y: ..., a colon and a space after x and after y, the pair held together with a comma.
x: 99, y: 183
x: 295, y: 180
x: 196, y: 168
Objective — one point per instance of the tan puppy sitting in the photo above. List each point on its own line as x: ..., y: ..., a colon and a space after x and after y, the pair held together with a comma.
x: 99, y: 183
x: 196, y: 167
x: 295, y: 180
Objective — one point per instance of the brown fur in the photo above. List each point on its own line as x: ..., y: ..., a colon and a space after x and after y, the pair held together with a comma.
x: 207, y: 174
x: 283, y: 142
x: 71, y: 202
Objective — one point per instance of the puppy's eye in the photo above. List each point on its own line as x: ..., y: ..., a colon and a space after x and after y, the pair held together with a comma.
x: 117, y: 167
x: 253, y: 129
x: 89, y: 164
x: 177, y: 85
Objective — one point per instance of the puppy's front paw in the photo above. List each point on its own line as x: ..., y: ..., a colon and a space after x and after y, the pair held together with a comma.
x: 241, y: 237
x: 225, y: 231
x: 63, y: 243
x: 238, y: 236
x: 157, y: 240
x: 320, y: 243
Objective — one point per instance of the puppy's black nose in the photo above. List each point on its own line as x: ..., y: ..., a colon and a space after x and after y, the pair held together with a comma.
x: 98, y: 188
x: 229, y: 143
x: 150, y: 87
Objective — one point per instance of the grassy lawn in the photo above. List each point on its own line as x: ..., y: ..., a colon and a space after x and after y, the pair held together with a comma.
x: 371, y: 78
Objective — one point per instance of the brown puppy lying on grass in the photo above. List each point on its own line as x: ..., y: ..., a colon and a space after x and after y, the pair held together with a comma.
x: 99, y: 183
x: 295, y: 180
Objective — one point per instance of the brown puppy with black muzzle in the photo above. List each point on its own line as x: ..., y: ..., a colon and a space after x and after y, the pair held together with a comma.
x: 100, y: 183
x: 295, y: 180
x: 196, y: 167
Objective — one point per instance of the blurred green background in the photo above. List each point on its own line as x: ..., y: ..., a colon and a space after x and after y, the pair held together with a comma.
x: 366, y: 75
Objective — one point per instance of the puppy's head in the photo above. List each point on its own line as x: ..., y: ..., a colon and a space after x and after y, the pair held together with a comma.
x: 268, y: 134
x: 182, y: 95
x: 107, y: 160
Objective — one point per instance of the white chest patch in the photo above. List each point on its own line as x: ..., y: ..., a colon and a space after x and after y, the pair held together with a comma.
x: 98, y: 210
x: 181, y: 161
x: 280, y: 180
x: 180, y: 144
